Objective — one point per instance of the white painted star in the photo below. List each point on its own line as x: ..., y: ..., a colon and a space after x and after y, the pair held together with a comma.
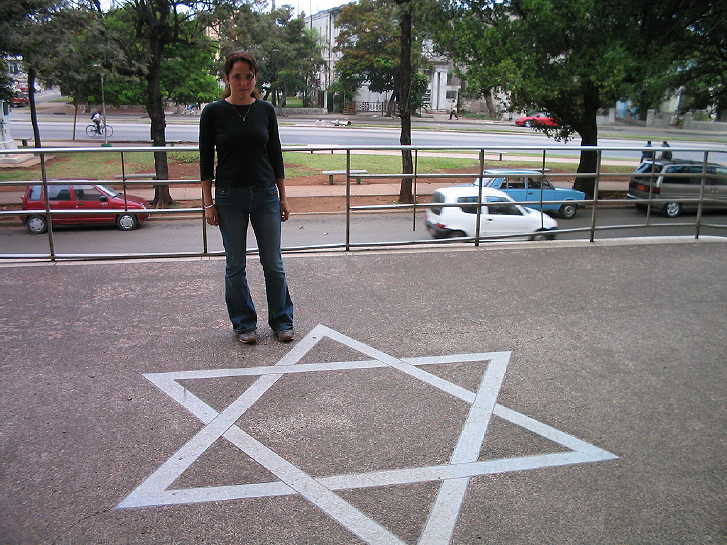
x: 321, y: 491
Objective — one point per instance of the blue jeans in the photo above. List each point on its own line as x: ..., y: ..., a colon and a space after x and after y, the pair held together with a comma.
x: 259, y: 205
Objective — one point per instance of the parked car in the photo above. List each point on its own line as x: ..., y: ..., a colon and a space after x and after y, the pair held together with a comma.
x: 529, y: 185
x: 686, y: 185
x: 79, y: 197
x: 19, y: 99
x: 502, y: 219
x: 536, y: 120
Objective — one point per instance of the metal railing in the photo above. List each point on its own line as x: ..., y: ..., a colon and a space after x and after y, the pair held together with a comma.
x: 126, y: 180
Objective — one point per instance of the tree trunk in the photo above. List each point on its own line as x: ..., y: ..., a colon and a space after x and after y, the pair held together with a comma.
x: 490, y: 103
x: 589, y: 159
x: 405, y: 192
x: 75, y: 117
x: 155, y: 109
x: 33, y: 112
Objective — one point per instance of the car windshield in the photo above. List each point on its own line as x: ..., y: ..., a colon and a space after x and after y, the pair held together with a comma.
x: 109, y: 192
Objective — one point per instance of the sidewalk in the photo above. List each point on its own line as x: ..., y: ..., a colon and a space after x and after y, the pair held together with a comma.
x: 443, y: 396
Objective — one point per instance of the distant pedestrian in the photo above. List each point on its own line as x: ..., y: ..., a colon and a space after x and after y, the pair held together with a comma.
x: 665, y: 155
x: 453, y: 109
x: 647, y: 155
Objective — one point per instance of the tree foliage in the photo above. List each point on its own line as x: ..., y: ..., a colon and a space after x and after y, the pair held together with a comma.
x: 164, y: 31
x: 285, y: 49
x: 569, y: 58
x: 370, y: 45
x: 703, y: 70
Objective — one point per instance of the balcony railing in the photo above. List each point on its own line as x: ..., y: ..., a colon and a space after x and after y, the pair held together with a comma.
x: 596, y: 204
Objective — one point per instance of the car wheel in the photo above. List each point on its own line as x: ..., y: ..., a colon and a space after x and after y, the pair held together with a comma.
x: 126, y: 222
x: 542, y: 234
x: 528, y: 123
x: 568, y: 211
x: 36, y: 225
x: 672, y: 209
x: 457, y: 234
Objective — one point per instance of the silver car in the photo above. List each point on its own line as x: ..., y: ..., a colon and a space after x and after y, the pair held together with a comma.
x: 678, y: 179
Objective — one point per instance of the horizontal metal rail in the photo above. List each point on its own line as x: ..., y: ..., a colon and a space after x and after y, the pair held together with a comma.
x: 147, y: 180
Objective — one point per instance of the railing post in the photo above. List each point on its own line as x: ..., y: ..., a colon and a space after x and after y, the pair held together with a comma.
x: 480, y: 183
x: 414, y: 191
x: 698, y: 224
x: 595, y: 196
x: 652, y: 182
x: 348, y: 199
x: 542, y: 171
x: 123, y: 180
x: 48, y: 216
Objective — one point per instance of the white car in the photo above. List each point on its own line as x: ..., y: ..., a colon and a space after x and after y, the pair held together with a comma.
x: 495, y: 220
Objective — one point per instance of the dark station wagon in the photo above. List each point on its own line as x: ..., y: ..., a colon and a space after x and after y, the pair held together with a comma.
x: 678, y: 179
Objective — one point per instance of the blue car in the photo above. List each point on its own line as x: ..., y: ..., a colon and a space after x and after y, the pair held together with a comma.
x: 529, y: 185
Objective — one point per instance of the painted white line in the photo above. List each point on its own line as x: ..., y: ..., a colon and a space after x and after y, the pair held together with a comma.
x: 313, y: 367
x: 411, y: 370
x: 320, y: 491
x: 443, y: 516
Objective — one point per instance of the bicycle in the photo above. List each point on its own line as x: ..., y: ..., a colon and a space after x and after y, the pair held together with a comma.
x: 92, y: 131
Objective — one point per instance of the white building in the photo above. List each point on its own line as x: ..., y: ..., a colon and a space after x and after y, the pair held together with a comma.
x: 443, y: 85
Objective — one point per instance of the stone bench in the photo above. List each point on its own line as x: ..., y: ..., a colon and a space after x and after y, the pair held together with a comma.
x: 332, y: 173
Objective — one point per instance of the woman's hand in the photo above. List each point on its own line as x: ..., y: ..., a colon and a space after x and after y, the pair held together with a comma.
x: 284, y: 210
x: 210, y: 214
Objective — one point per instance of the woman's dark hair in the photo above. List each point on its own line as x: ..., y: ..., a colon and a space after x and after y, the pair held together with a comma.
x: 231, y: 60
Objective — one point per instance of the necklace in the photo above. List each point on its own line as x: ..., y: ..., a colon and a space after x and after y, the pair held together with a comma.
x: 243, y: 118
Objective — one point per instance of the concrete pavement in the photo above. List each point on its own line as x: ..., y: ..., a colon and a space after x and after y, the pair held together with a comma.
x: 446, y: 400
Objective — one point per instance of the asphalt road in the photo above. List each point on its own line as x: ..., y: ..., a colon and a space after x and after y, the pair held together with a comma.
x: 305, y: 134
x: 314, y: 229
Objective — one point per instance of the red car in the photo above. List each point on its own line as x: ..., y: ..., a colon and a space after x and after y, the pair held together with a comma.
x: 80, y: 197
x: 19, y: 99
x: 536, y: 120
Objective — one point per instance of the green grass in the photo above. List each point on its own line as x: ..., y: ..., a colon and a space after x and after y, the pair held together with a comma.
x: 293, y: 102
x: 86, y: 166
x: 306, y: 164
x: 106, y: 166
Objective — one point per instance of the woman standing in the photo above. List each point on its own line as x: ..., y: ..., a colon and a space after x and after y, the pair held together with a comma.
x: 249, y: 188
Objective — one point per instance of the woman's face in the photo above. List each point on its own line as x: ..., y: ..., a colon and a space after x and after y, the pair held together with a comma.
x: 241, y: 80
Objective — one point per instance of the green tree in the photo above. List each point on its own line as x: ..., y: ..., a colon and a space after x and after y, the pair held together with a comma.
x: 37, y: 30
x: 285, y: 49
x: 569, y: 57
x: 381, y: 48
x: 703, y: 71
x: 163, y: 30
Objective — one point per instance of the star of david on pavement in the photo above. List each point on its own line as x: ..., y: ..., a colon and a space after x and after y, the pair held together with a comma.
x: 321, y: 491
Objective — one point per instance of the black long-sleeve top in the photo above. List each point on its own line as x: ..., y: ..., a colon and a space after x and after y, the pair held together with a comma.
x: 248, y: 152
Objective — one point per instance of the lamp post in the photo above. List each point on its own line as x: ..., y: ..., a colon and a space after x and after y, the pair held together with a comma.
x: 103, y: 107
x: 103, y: 114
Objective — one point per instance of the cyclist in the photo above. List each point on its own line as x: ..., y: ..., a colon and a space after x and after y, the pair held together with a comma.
x: 96, y: 118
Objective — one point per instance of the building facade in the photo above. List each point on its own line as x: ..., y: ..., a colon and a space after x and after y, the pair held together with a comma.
x: 443, y: 87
